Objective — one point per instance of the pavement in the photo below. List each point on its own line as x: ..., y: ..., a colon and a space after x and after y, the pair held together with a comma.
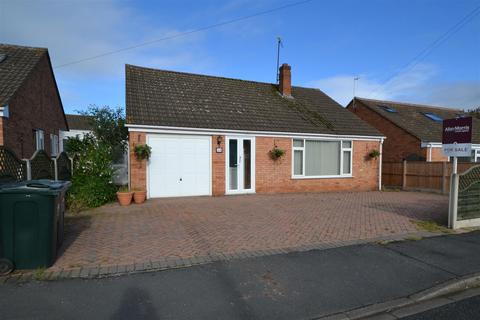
x: 165, y: 233
x: 297, y: 285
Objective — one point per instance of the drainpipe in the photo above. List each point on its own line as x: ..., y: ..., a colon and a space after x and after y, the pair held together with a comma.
x: 380, y: 166
x: 429, y: 157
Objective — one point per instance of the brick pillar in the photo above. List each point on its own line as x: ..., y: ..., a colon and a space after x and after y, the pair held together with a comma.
x: 218, y: 166
x: 138, y: 168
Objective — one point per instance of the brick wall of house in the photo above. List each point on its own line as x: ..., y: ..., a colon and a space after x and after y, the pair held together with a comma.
x: 275, y: 176
x: 218, y: 167
x: 138, y: 168
x: 34, y: 106
x: 437, y: 155
x: 399, y: 143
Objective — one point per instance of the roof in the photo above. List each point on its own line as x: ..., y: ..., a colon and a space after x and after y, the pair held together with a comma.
x: 15, y: 68
x: 411, y: 118
x: 176, y: 99
x: 79, y: 122
x: 16, y: 64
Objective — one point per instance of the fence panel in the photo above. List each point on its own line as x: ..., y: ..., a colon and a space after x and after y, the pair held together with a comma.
x: 420, y: 175
x: 469, y: 194
x: 64, y: 167
x: 392, y: 174
x: 41, y: 166
x: 11, y: 168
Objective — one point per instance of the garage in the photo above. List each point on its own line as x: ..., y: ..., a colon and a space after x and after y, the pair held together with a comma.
x: 179, y: 166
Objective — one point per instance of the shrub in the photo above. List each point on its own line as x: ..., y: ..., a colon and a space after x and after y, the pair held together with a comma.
x: 374, y: 154
x: 92, y: 184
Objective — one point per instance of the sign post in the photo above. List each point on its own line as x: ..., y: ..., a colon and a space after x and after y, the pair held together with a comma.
x: 456, y: 142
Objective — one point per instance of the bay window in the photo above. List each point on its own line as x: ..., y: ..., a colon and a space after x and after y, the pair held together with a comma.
x: 321, y: 158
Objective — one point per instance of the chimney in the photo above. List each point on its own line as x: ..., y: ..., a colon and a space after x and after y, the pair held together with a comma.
x: 285, y: 80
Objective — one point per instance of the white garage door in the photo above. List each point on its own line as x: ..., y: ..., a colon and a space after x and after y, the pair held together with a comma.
x: 179, y: 166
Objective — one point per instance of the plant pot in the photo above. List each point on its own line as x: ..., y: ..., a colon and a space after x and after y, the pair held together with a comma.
x: 124, y: 198
x: 139, y: 196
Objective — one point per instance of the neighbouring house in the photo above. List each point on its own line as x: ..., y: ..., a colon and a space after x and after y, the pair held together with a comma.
x: 413, y: 131
x: 31, y: 111
x: 78, y: 125
x: 214, y: 136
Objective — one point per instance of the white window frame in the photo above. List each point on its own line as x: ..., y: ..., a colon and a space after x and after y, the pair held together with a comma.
x: 477, y: 155
x: 54, y: 146
x: 39, y: 140
x: 342, y: 149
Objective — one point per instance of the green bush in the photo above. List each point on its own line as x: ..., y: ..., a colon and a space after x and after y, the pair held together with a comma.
x: 92, y: 184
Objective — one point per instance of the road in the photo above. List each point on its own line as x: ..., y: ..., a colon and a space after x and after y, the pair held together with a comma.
x: 468, y: 309
x: 300, y: 285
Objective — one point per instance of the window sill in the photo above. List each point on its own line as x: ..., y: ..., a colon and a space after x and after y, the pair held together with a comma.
x: 322, y: 177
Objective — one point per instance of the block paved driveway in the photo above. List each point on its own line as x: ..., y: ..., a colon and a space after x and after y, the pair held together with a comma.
x: 179, y: 228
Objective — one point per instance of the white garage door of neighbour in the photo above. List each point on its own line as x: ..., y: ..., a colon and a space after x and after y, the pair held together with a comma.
x: 179, y: 166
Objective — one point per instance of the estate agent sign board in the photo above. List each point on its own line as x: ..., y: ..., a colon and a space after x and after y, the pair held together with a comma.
x: 457, y: 137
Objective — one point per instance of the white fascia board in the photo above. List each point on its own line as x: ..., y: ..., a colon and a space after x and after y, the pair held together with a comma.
x: 439, y: 145
x: 202, y: 131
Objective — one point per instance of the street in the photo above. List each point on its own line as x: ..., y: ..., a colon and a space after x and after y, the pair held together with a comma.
x: 467, y: 309
x: 299, y: 285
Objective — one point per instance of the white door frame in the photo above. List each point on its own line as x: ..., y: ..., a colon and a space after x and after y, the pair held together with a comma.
x: 153, y: 135
x: 240, y: 160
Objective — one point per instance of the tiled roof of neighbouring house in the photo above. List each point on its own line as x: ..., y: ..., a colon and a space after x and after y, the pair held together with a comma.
x: 79, y: 122
x: 16, y: 64
x: 175, y: 99
x: 421, y: 121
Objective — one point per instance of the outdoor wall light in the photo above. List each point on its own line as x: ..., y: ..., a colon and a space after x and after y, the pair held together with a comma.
x: 219, y: 149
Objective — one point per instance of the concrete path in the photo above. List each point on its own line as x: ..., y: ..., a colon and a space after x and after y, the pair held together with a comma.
x: 300, y: 285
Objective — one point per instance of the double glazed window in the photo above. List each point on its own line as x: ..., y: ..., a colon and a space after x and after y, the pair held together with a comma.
x: 321, y: 158
x: 54, y: 144
x: 39, y: 140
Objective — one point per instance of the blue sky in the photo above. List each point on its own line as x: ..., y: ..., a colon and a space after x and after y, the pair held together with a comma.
x: 327, y: 43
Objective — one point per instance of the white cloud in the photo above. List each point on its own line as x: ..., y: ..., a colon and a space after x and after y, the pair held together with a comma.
x: 400, y: 86
x: 417, y: 85
x: 73, y: 30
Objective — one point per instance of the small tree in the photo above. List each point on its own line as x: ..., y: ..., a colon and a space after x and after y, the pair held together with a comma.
x: 108, y: 126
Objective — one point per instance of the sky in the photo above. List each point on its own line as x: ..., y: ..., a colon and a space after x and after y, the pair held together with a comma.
x: 327, y: 43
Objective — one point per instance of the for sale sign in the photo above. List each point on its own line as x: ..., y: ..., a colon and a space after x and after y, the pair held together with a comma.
x: 457, y: 137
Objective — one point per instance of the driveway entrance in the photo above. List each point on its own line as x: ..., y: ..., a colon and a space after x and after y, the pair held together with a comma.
x: 183, y: 228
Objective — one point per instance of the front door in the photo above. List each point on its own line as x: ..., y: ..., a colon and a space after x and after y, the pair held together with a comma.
x: 240, y: 165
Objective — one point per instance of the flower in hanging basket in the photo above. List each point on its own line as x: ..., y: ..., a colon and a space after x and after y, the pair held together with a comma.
x: 374, y: 154
x: 276, y: 153
x: 143, y: 151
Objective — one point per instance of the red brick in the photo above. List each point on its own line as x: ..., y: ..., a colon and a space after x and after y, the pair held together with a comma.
x: 34, y: 106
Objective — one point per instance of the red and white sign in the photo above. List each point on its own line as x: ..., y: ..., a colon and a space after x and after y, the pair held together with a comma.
x: 457, y: 137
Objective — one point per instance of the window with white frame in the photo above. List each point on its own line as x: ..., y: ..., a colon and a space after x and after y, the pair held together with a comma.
x: 322, y: 158
x: 39, y: 140
x: 53, y: 144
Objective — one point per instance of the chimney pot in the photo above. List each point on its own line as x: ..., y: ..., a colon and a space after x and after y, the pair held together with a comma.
x: 285, y: 80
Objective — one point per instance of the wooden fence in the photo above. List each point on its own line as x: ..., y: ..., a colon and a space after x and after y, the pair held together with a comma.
x: 420, y: 175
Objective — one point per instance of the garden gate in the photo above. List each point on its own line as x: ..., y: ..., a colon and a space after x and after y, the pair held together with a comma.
x: 464, y: 208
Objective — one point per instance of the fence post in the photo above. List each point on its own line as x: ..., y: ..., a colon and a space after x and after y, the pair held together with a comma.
x: 29, y: 169
x: 444, y: 177
x: 453, y: 201
x: 55, y: 168
x: 404, y: 178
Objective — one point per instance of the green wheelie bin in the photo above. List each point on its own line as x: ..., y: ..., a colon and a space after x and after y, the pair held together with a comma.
x: 31, y: 223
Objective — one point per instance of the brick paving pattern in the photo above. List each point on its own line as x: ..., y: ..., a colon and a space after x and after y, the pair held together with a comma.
x: 142, y: 237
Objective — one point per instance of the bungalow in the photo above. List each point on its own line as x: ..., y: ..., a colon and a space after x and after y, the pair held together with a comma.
x: 220, y: 136
x: 31, y: 111
x: 413, y: 131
